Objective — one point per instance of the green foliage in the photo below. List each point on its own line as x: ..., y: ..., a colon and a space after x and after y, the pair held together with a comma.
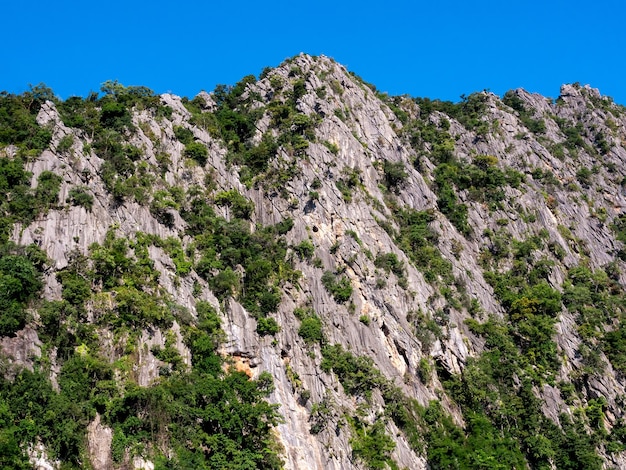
x: 601, y: 144
x: 225, y: 413
x: 573, y: 134
x: 532, y: 311
x: 163, y: 206
x: 349, y: 182
x: 18, y: 125
x: 395, y: 174
x: 208, y: 407
x: 483, y: 180
x: 236, y: 115
x: 418, y: 241
x: 38, y: 414
x: 390, y: 263
x: 241, y: 207
x: 304, y: 249
x: 257, y: 157
x: 183, y: 135
x: 225, y: 246
x: 174, y: 248
x: 47, y: 191
x: 619, y: 227
x: 131, y: 279
x: 20, y: 283
x: 139, y: 97
x: 480, y: 445
x: 213, y: 418
x: 311, y: 329
x: 18, y: 201
x: 107, y: 121
x: 135, y: 308
x: 76, y: 281
x: 197, y: 151
x: 340, y: 289
x: 333, y: 147
x: 235, y: 121
x: 66, y: 143
x: 497, y: 389
x: 371, y: 444
x: 320, y: 413
x: 80, y: 113
x: 123, y: 175
x: 469, y: 111
x: 449, y: 205
x: 79, y: 196
x: 267, y: 326
x: 357, y: 374
x: 598, y: 302
x: 583, y: 175
x: 115, y: 115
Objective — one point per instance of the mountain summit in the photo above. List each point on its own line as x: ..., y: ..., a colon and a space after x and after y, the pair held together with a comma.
x: 299, y: 272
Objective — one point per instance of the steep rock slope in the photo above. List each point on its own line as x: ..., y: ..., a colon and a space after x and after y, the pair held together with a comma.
x: 426, y: 284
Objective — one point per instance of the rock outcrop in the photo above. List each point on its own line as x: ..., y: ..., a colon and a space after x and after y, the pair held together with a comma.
x: 423, y: 209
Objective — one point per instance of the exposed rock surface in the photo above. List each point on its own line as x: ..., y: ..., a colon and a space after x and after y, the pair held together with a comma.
x: 99, y: 440
x: 355, y: 135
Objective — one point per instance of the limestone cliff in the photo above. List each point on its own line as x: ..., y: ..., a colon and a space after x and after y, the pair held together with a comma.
x: 450, y: 294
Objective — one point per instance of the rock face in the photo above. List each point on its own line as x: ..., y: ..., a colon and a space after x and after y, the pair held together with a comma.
x: 451, y: 225
x: 99, y: 439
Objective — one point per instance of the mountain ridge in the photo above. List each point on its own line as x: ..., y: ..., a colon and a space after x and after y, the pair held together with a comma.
x: 424, y: 237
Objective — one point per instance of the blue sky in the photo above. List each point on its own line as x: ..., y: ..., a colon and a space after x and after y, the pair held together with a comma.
x: 422, y: 48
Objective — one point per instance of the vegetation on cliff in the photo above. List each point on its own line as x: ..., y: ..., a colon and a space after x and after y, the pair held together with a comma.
x: 507, y: 304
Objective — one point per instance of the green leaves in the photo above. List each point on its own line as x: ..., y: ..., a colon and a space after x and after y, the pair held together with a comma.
x: 371, y: 444
x: 357, y: 374
x: 18, y: 125
x: 197, y: 151
x: 340, y: 288
x: 311, y: 329
x: 20, y: 282
x: 79, y: 196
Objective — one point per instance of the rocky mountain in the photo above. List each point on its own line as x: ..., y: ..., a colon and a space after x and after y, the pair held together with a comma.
x: 299, y: 271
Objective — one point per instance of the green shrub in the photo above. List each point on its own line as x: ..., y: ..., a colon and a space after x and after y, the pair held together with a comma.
x: 418, y: 241
x: 305, y: 249
x: 65, y: 144
x: 115, y: 115
x: 583, y: 175
x: 241, y: 207
x: 390, y: 263
x: 284, y: 226
x: 395, y: 174
x: 18, y: 123
x: 333, y: 147
x: 340, y: 289
x: 267, y: 326
x: 197, y: 151
x: 20, y: 282
x: 79, y: 196
x: 311, y: 329
x: 183, y: 135
x: 76, y: 287
x: 372, y: 445
x: 357, y: 374
x: 47, y: 191
x: 225, y: 283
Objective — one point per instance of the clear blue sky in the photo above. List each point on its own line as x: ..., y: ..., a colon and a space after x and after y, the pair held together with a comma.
x: 422, y: 48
